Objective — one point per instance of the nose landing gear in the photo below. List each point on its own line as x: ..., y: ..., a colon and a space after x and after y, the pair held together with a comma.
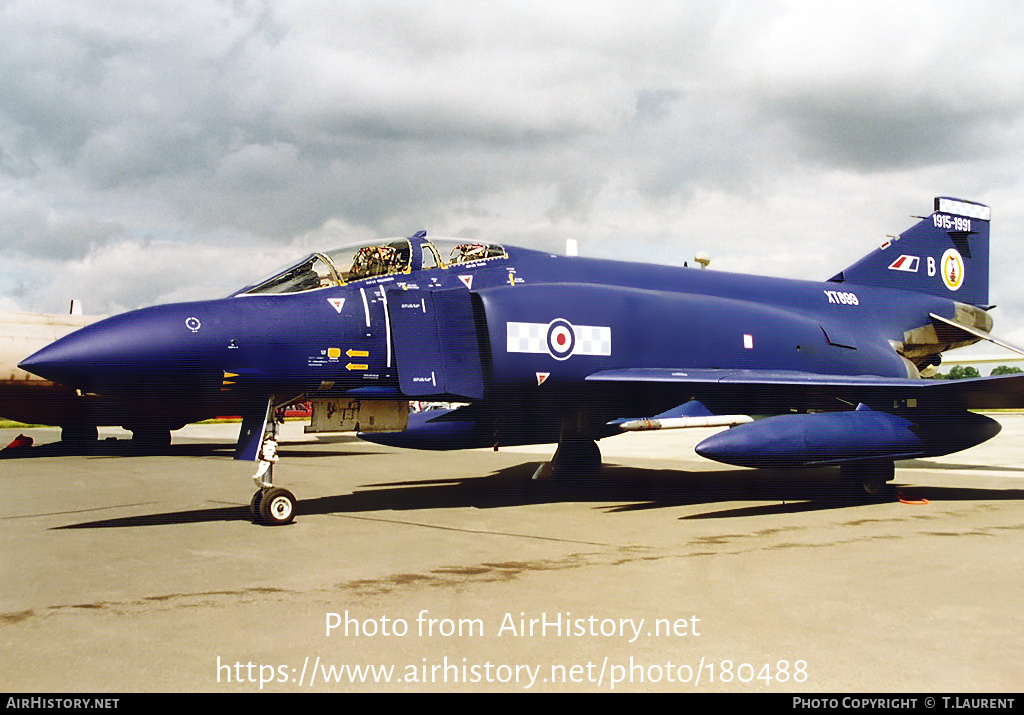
x: 270, y: 505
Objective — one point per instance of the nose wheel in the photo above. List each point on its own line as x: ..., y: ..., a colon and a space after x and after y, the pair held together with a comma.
x: 274, y: 506
x: 270, y: 505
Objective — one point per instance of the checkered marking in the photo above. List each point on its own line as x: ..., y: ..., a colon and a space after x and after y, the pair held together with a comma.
x: 560, y: 339
x: 963, y: 208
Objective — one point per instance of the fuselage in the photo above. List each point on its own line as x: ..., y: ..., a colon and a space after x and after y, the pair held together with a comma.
x: 535, y: 314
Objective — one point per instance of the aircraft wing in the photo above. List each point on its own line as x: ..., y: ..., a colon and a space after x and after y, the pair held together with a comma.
x: 988, y: 393
x: 820, y: 419
x: 771, y: 390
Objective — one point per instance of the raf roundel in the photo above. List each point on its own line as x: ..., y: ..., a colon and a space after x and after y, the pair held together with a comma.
x: 561, y: 339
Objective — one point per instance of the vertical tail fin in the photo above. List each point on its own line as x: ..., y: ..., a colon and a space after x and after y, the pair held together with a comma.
x: 946, y: 254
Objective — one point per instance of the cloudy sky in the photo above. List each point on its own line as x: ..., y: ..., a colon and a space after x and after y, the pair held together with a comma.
x: 175, y: 150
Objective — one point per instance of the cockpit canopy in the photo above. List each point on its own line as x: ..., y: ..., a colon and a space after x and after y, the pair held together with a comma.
x: 371, y: 260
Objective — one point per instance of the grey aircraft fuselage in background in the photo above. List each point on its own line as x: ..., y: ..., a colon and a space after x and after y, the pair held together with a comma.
x: 540, y: 348
x: 25, y: 397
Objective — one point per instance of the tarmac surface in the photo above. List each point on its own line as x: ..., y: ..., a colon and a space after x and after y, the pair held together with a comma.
x: 453, y: 571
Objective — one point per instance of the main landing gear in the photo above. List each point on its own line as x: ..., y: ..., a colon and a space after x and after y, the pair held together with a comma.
x: 270, y: 505
x: 868, y: 481
x: 573, y: 458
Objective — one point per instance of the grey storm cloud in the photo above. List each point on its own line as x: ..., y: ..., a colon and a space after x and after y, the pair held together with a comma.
x: 266, y: 127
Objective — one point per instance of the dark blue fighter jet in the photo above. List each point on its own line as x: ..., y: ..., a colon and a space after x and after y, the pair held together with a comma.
x: 540, y: 348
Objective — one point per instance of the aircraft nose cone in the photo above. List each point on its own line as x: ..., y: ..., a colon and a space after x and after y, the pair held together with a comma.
x: 50, y: 363
x: 78, y: 358
x: 145, y: 347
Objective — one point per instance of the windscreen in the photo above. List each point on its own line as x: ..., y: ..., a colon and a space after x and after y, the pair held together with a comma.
x: 337, y: 267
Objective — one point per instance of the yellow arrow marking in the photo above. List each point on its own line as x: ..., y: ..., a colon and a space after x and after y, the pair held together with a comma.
x: 357, y: 353
x: 353, y: 366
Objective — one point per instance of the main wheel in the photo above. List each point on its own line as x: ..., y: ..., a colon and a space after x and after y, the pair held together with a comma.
x: 576, y: 458
x: 277, y: 507
x: 868, y: 481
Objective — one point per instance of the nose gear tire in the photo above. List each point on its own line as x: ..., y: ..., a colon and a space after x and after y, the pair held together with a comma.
x: 276, y: 507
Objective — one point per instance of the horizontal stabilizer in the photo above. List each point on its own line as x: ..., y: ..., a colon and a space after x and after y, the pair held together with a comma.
x: 978, y: 333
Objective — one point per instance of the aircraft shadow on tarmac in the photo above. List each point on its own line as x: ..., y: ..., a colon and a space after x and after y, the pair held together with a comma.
x: 127, y: 448
x: 615, y: 489
x: 930, y: 464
